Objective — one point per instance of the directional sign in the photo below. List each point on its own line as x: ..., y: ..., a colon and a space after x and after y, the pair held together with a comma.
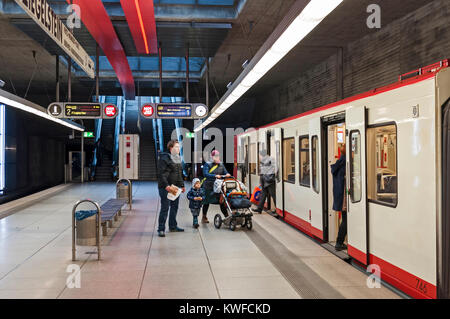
x: 88, y: 134
x: 76, y: 110
x: 174, y: 111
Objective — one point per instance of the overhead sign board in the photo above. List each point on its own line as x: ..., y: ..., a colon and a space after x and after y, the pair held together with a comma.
x: 174, y: 111
x: 75, y: 110
x: 41, y: 12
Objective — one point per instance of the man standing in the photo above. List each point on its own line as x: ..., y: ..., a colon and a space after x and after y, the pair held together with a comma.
x: 340, y: 197
x: 170, y: 172
x: 267, y: 179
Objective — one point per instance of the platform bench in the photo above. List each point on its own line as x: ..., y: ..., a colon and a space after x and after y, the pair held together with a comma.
x: 110, y: 212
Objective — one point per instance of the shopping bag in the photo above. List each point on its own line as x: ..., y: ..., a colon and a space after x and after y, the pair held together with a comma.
x: 256, y: 195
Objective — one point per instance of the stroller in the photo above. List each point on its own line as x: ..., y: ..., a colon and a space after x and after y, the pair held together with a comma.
x: 234, y: 200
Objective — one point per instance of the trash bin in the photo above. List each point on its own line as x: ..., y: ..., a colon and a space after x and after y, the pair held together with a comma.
x: 86, y: 223
x: 123, y: 191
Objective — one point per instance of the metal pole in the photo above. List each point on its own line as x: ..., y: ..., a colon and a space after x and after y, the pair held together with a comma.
x: 69, y: 79
x: 97, y: 73
x: 82, y: 157
x: 187, y: 73
x: 207, y: 82
x: 160, y: 72
x: 57, y: 78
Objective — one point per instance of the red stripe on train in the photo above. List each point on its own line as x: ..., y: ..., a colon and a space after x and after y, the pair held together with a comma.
x: 395, y: 276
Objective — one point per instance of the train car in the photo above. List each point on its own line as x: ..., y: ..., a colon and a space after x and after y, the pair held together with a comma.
x: 397, y: 176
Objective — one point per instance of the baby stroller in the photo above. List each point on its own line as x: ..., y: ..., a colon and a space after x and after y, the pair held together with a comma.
x: 234, y: 200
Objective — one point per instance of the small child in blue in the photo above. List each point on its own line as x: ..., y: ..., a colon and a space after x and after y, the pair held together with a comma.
x: 196, y: 197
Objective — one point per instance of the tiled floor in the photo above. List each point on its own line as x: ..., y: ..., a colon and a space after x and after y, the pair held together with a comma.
x: 35, y: 252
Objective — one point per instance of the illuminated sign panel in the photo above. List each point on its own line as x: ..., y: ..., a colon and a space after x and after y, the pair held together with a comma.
x: 174, y: 111
x: 75, y: 110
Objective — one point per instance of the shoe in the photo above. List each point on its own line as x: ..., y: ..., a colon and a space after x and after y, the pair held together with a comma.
x: 161, y: 234
x: 177, y: 230
x: 256, y: 210
x: 340, y: 247
x: 196, y: 226
x: 205, y: 220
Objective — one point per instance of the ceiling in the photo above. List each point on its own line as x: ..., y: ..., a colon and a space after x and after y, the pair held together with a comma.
x: 228, y: 32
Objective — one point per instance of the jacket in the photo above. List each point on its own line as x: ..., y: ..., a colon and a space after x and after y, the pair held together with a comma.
x: 211, y: 177
x: 338, y: 172
x: 169, y: 172
x: 267, y: 171
x: 193, y: 204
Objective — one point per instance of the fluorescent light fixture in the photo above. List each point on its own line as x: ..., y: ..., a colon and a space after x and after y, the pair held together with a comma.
x: 310, y: 17
x: 13, y: 101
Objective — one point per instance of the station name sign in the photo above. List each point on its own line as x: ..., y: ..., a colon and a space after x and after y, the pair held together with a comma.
x: 174, y: 111
x: 75, y: 110
x: 41, y: 12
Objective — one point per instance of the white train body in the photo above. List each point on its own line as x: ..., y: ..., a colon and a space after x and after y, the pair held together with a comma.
x: 393, y: 140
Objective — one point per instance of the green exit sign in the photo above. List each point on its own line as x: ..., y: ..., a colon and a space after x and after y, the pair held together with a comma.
x: 190, y: 135
x: 88, y: 134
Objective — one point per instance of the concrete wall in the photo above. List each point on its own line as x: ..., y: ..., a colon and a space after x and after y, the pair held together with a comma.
x: 418, y: 39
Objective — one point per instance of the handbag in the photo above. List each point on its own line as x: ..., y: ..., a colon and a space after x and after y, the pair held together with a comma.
x: 256, y: 195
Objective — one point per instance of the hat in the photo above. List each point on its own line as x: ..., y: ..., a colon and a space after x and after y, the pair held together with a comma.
x: 215, y: 153
x: 194, y: 181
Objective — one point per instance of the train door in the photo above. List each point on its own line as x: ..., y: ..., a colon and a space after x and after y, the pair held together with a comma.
x: 240, y: 169
x: 278, y: 136
x: 316, y: 203
x: 356, y: 121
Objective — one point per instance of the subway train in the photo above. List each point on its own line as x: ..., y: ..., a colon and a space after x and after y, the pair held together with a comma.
x: 397, y: 176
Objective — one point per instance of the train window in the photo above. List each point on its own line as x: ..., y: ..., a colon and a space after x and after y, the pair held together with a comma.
x: 315, y: 164
x: 289, y: 160
x: 304, y: 162
x: 253, y: 158
x: 355, y: 167
x: 382, y: 165
x: 278, y: 162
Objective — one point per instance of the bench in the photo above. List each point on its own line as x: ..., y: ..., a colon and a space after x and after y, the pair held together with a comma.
x: 110, y: 212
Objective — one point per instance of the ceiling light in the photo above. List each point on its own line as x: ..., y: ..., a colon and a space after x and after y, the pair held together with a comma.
x: 19, y: 105
x: 311, y: 16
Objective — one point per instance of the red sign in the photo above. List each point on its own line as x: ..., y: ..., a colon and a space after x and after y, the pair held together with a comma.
x: 110, y: 111
x: 147, y: 110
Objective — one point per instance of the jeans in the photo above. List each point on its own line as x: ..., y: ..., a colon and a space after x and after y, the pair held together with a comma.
x: 165, y: 205
x: 269, y: 190
x: 342, y: 229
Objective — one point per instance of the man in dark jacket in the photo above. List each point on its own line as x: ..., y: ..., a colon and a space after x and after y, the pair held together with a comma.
x: 267, y: 179
x: 170, y: 173
x: 339, y: 197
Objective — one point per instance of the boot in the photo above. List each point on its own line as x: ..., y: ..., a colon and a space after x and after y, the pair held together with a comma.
x: 205, y: 220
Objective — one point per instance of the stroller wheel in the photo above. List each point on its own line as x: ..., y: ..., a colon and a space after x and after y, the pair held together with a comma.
x: 218, y: 221
x: 233, y: 225
x: 249, y: 224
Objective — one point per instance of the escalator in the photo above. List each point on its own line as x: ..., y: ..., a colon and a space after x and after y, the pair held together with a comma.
x: 168, y: 126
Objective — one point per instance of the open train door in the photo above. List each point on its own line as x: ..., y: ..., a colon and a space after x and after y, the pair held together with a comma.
x: 317, y: 189
x: 356, y: 123
x: 279, y: 191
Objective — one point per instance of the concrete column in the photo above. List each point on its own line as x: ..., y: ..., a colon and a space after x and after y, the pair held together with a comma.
x: 57, y: 78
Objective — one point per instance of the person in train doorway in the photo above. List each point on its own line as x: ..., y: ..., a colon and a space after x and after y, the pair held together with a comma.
x: 170, y: 173
x: 267, y: 180
x: 212, y: 170
x: 340, y: 197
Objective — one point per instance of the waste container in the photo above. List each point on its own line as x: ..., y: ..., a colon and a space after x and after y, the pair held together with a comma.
x: 123, y: 191
x: 86, y: 223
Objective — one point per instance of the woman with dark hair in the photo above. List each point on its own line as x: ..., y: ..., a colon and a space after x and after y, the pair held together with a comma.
x: 212, y: 170
x: 170, y: 172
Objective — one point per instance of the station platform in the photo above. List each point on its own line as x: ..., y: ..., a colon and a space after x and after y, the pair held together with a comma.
x: 273, y: 261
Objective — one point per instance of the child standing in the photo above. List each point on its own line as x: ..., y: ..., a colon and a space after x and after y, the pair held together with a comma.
x: 196, y: 196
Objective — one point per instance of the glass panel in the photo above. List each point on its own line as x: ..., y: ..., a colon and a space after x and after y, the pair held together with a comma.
x: 289, y: 160
x: 355, y: 167
x: 2, y: 147
x: 315, y: 164
x: 253, y: 158
x: 304, y: 162
x: 382, y: 164
x: 278, y: 148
